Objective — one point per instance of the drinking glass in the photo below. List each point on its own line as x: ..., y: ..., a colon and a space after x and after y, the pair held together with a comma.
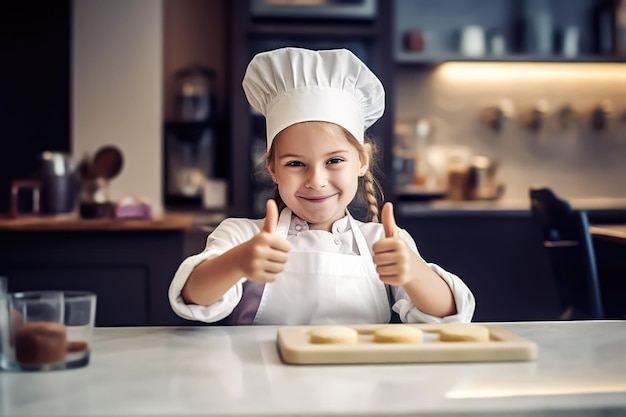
x: 80, y: 314
x: 34, y: 336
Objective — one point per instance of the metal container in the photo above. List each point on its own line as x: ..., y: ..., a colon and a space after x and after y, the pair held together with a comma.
x: 59, y: 183
x: 482, y: 181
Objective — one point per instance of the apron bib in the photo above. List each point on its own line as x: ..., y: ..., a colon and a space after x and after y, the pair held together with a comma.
x: 324, y: 288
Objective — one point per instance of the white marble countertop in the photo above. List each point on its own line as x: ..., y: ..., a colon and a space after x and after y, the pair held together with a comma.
x: 236, y: 371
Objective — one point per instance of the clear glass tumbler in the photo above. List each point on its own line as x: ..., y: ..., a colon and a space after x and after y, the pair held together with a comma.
x: 34, y: 337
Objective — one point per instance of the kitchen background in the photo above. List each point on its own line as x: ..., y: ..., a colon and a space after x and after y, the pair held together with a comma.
x: 536, y: 86
x: 121, y: 60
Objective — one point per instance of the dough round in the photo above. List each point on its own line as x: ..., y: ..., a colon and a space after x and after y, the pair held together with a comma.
x: 463, y: 332
x: 398, y: 333
x: 334, y: 334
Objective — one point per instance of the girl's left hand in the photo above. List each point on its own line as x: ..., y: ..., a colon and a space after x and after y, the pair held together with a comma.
x: 392, y: 255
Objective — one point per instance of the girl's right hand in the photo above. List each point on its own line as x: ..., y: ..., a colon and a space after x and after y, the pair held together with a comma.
x: 265, y: 255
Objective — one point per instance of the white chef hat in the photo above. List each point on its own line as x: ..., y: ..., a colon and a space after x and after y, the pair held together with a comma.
x: 293, y: 85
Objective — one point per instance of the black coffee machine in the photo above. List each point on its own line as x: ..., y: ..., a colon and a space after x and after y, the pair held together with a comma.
x: 190, y: 139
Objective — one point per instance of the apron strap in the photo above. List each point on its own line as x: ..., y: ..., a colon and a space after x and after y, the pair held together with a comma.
x: 364, y: 251
x: 395, y: 317
x: 284, y: 221
x: 245, y: 311
x: 361, y: 244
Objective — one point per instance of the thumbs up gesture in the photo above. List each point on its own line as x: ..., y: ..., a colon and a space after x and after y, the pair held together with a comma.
x: 392, y: 255
x: 265, y: 254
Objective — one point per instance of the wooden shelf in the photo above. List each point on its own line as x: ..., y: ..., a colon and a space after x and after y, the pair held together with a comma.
x: 169, y: 221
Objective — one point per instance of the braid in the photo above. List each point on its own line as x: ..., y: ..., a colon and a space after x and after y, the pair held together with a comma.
x: 369, y: 197
x: 279, y: 201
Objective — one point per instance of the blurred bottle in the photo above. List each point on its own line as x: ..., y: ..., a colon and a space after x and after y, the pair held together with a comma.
x: 403, y: 159
x: 459, y: 160
x: 538, y: 27
x: 604, y: 28
x: 620, y: 28
x: 423, y: 174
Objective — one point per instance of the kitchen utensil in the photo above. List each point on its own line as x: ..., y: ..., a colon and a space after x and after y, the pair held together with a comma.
x: 97, y: 174
x: 108, y: 162
x: 295, y: 347
x: 601, y: 114
x: 107, y: 165
x: 537, y: 115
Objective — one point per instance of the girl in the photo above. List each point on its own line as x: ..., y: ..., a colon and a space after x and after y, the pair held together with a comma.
x: 309, y: 261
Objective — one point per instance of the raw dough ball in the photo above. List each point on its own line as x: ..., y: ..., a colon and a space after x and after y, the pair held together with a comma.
x: 463, y: 332
x: 334, y: 334
x: 398, y: 333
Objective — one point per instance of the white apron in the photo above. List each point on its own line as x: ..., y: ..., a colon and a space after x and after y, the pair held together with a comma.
x: 324, y: 288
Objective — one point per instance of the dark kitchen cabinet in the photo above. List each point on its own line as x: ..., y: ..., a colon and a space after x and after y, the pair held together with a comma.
x: 499, y: 254
x: 430, y: 32
x: 130, y: 271
x: 255, y: 29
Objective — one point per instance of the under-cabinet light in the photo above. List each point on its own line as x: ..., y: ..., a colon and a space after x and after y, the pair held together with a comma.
x: 530, y: 70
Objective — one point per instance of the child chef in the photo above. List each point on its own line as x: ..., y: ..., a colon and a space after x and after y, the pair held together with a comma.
x: 309, y: 261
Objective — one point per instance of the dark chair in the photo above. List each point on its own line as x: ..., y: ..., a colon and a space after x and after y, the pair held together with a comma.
x: 567, y: 239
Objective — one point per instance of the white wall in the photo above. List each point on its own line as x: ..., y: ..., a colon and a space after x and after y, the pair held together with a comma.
x: 117, y: 89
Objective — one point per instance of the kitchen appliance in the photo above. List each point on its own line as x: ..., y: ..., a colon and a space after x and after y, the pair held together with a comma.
x: 195, y: 100
x: 60, y: 183
x: 473, y: 178
x: 482, y: 181
x: 189, y: 140
x: 190, y: 154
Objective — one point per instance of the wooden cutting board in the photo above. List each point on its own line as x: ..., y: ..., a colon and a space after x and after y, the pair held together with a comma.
x: 295, y: 347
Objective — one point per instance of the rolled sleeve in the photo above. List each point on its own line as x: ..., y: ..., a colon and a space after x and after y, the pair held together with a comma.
x: 463, y: 298
x: 209, y: 313
x: 228, y: 234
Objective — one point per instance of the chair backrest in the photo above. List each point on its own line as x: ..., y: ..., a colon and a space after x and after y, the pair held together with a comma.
x: 568, y: 241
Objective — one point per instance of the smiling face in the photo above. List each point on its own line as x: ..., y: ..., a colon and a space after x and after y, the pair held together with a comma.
x: 316, y: 169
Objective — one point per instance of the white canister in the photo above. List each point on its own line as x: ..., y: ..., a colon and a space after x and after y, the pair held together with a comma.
x: 472, y: 41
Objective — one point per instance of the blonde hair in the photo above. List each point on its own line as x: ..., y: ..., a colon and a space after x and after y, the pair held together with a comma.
x: 369, y: 192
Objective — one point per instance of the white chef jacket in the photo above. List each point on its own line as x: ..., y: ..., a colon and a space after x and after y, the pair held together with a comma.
x: 234, y: 231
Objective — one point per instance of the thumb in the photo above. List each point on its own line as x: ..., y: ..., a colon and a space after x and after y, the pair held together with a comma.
x: 389, y: 221
x: 271, y: 216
